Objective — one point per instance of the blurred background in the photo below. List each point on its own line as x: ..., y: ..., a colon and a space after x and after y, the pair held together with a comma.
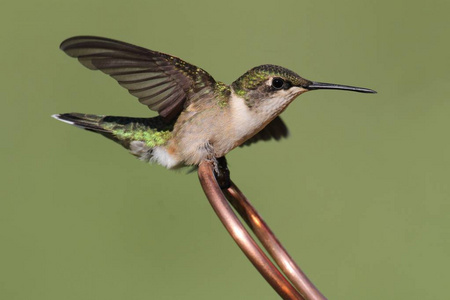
x: 359, y: 193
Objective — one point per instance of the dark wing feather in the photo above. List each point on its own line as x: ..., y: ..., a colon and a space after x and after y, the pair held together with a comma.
x: 274, y: 130
x: 162, y: 82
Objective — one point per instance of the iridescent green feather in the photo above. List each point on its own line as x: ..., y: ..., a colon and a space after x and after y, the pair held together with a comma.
x: 150, y: 137
x: 254, y: 77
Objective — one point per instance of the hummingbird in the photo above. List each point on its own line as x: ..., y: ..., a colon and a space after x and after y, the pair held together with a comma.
x: 199, y: 118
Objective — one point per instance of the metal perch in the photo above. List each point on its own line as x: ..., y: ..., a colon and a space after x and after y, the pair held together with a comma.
x: 293, y: 284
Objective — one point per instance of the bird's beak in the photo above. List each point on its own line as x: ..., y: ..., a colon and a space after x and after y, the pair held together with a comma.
x: 331, y: 86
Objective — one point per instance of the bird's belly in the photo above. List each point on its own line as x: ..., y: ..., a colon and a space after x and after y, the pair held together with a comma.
x: 196, y: 142
x: 208, y: 134
x: 194, y: 150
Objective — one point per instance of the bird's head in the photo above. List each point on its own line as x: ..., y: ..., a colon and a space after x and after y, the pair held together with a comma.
x: 270, y: 89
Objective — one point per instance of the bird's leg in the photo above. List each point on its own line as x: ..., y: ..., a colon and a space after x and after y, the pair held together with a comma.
x: 222, y: 173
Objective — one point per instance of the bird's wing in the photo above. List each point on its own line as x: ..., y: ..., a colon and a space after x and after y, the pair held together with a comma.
x: 162, y: 82
x: 274, y: 130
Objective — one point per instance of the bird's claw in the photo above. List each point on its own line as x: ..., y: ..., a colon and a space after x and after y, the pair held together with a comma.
x: 222, y: 173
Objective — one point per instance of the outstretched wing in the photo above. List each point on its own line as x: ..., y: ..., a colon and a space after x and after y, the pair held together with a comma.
x: 162, y: 82
x: 274, y: 130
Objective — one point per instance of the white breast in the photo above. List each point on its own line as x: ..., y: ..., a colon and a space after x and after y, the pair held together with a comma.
x: 244, y: 120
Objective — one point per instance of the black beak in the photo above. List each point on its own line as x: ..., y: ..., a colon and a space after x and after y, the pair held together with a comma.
x: 331, y: 86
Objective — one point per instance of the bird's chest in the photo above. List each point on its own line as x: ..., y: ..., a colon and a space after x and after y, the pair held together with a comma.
x: 198, y: 135
x: 215, y: 131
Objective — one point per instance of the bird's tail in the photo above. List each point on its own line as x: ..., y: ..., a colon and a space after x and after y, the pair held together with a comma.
x: 84, y: 121
x: 123, y: 130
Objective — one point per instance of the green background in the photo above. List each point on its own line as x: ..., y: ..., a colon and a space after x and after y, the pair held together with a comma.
x: 359, y: 193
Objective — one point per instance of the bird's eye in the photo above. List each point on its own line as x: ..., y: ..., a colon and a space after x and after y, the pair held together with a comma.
x: 277, y: 83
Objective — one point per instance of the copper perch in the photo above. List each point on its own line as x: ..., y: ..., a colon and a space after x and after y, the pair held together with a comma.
x: 293, y: 284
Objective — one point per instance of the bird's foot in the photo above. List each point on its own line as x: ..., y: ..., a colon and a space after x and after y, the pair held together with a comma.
x: 222, y: 173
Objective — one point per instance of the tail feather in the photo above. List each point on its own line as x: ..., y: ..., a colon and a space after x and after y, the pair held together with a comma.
x: 122, y: 130
x: 84, y: 121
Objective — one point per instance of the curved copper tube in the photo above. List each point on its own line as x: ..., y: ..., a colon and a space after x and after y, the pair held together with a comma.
x: 231, y: 222
x: 271, y: 243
